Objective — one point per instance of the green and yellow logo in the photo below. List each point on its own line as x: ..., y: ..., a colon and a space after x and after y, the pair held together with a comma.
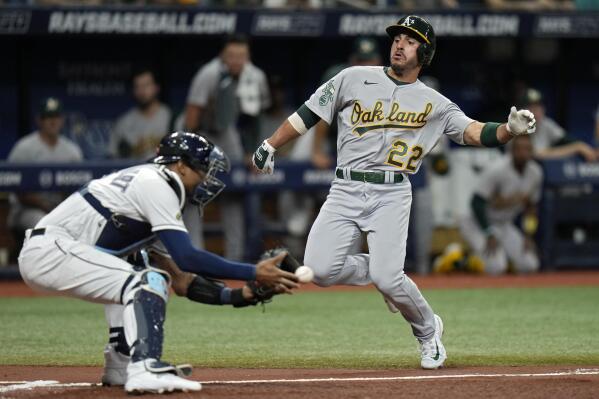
x: 366, y: 119
x: 327, y: 94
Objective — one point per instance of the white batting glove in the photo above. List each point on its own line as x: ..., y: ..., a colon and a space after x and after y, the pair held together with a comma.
x: 521, y: 122
x: 264, y: 158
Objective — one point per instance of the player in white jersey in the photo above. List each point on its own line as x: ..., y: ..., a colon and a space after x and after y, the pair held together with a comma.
x: 387, y: 122
x: 78, y: 250
x: 507, y: 188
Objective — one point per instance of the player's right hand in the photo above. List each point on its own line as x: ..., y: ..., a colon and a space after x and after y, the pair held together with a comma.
x: 264, y: 158
x: 521, y: 122
x: 268, y: 273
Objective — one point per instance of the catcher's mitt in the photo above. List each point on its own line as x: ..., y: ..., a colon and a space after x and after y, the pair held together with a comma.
x: 289, y: 263
x: 262, y: 293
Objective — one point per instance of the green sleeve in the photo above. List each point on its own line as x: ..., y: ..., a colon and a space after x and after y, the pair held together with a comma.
x: 479, y: 209
x: 310, y: 118
x: 488, y: 136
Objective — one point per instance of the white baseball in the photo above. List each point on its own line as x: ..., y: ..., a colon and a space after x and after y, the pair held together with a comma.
x: 304, y: 274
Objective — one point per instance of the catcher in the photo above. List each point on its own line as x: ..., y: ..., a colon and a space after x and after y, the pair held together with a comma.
x: 79, y: 250
x: 196, y: 288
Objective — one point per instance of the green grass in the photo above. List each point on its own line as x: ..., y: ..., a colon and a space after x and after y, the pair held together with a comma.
x: 324, y: 329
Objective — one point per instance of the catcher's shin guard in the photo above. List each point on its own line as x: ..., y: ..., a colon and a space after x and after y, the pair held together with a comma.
x: 143, y: 317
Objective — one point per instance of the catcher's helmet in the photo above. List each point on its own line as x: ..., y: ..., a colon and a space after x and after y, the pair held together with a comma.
x: 199, y: 154
x: 420, y: 29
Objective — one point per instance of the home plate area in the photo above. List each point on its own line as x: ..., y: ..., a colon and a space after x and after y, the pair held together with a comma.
x: 489, y: 382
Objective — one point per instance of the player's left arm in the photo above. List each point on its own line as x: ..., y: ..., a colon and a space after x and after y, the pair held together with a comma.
x: 493, y: 134
x: 293, y: 127
x: 203, y: 290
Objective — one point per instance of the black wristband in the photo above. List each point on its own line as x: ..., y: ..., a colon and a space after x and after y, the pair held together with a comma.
x: 205, y: 291
x: 488, y: 136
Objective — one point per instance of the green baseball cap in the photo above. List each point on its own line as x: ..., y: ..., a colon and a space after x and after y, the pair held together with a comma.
x: 50, y: 107
x: 365, y: 48
x: 532, y: 96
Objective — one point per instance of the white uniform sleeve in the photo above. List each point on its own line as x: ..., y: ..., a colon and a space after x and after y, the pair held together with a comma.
x: 18, y: 153
x: 77, y: 154
x: 328, y: 98
x: 554, y: 131
x: 489, y: 180
x: 454, y: 122
x: 158, y: 203
x: 202, y: 86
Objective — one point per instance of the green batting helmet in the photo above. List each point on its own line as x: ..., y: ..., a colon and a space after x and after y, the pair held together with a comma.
x: 420, y: 29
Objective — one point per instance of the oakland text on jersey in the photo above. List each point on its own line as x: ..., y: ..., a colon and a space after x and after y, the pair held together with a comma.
x: 366, y: 119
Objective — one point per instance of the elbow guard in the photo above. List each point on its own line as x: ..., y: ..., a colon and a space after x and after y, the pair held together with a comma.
x: 213, y: 292
x: 205, y: 291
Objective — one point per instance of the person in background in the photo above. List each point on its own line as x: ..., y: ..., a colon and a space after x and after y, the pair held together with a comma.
x: 551, y: 140
x: 226, y: 101
x: 138, y: 131
x: 45, y: 145
x: 507, y: 188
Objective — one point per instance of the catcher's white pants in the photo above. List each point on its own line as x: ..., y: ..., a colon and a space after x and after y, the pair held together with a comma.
x: 511, y: 247
x: 383, y: 212
x: 56, y: 262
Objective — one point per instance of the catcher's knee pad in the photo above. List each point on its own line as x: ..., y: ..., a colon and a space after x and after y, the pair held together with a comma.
x: 143, y: 317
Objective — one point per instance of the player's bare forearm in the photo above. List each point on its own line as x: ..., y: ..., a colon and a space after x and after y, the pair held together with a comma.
x: 569, y: 150
x: 180, y: 279
x: 472, y: 134
x: 284, y: 134
x: 193, y: 115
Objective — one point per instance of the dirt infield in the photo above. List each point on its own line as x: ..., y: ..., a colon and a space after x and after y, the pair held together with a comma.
x: 472, y: 382
x: 577, y: 278
x: 505, y: 382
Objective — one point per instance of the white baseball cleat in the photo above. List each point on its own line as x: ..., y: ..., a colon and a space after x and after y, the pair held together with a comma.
x: 140, y: 380
x: 115, y: 367
x: 433, y: 353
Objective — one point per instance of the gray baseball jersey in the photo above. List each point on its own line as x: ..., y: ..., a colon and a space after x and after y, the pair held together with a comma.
x: 224, y: 98
x: 383, y: 125
x: 501, y: 178
x: 547, y: 134
x: 140, y: 133
x: 31, y: 149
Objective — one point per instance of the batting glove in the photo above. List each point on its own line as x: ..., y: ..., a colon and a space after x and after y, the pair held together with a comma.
x: 264, y: 158
x: 521, y: 122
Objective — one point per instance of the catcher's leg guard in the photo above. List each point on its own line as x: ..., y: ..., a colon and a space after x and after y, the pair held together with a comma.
x: 143, y: 317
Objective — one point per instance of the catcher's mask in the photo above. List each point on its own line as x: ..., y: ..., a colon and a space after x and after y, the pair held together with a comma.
x: 200, y: 154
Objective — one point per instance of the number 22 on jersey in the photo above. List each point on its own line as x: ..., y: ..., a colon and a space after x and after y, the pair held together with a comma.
x: 398, y: 153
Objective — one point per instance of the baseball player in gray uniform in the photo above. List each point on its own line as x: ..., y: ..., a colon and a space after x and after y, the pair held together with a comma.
x: 78, y: 249
x: 508, y: 187
x: 45, y: 145
x: 387, y: 121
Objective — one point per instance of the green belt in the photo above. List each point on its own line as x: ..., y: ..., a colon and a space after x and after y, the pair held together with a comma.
x: 369, y: 177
